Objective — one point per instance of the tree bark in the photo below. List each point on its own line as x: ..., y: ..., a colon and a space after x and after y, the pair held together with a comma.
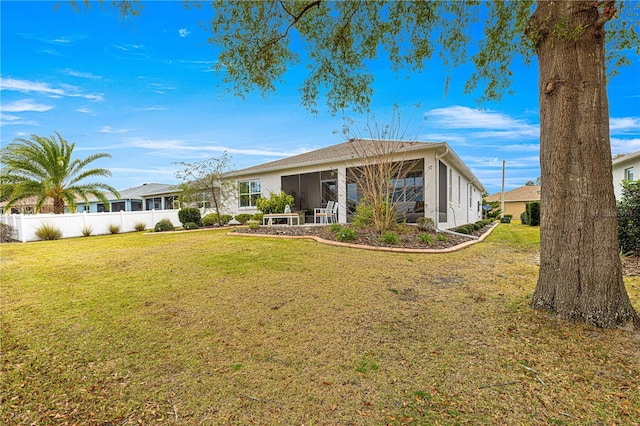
x: 580, y: 275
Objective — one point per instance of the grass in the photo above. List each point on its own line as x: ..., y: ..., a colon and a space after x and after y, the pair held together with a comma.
x: 205, y: 328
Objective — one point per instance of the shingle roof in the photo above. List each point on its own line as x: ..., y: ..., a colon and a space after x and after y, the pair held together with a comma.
x: 341, y: 152
x: 137, y: 192
x: 524, y: 193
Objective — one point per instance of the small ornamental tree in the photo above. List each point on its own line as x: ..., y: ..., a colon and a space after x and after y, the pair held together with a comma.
x: 629, y: 218
x: 276, y: 203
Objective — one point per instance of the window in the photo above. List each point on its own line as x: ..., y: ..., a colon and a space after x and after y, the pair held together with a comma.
x: 248, y: 192
x: 119, y: 206
x: 154, y: 203
x: 628, y: 173
x: 471, y: 192
x: 408, y: 189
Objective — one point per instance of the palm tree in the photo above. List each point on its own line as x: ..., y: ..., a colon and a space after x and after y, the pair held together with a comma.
x: 42, y: 168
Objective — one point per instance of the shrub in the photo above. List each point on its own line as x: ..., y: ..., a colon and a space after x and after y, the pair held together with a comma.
x: 389, y: 238
x: 253, y: 224
x: 505, y: 219
x: 114, y: 228
x: 464, y: 229
x: 533, y: 213
x: 346, y: 234
x: 164, y: 225
x: 524, y: 219
x: 87, y: 230
x: 190, y: 225
x: 243, y: 218
x: 189, y: 214
x: 629, y: 218
x: 335, y: 227
x: 216, y: 219
x: 275, y: 203
x: 47, y: 231
x: 7, y: 233
x: 426, y: 224
x: 510, y: 216
x: 258, y: 217
x: 476, y: 226
x: 426, y: 238
x: 442, y: 237
x: 140, y: 226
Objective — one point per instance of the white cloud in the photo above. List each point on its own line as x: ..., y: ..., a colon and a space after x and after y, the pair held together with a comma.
x: 183, y: 32
x: 110, y: 130
x: 85, y: 110
x: 153, y: 108
x: 624, y: 146
x: 25, y: 105
x: 8, y: 117
x: 168, y: 145
x: 81, y: 74
x: 28, y: 86
x: 624, y: 124
x: 495, y: 124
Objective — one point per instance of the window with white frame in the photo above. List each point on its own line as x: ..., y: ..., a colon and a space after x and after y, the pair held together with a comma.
x: 628, y: 173
x: 249, y: 192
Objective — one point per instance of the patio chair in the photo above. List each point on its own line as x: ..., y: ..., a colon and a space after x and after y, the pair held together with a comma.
x: 333, y: 214
x: 323, y: 214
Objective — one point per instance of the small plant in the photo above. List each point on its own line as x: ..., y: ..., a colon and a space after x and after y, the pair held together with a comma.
x: 426, y: 238
x: 216, y: 219
x: 47, y: 231
x: 258, y: 217
x: 189, y: 214
x: 140, y: 226
x: 114, y: 228
x: 425, y: 224
x: 275, y: 203
x: 190, y: 225
x: 243, y: 218
x: 164, y: 225
x: 442, y: 237
x: 389, y: 238
x: 87, y: 230
x: 335, y: 227
x: 7, y: 233
x: 346, y: 234
x: 253, y: 224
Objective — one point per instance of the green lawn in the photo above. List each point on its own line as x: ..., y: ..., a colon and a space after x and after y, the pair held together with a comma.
x: 205, y: 328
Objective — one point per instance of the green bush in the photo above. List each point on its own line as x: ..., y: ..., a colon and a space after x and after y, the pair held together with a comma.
x: 47, y: 231
x: 253, y: 224
x: 476, y: 226
x: 87, y: 230
x: 426, y: 224
x: 346, y: 234
x: 189, y: 214
x: 505, y: 219
x: 464, y: 229
x: 164, y: 225
x: 243, y: 218
x: 7, y: 233
x: 215, y: 219
x: 275, y: 203
x: 190, y: 225
x: 510, y: 216
x: 140, y: 226
x: 363, y: 216
x: 258, y: 217
x: 524, y: 219
x: 629, y: 218
x: 533, y: 213
x: 426, y: 238
x: 442, y: 237
x: 335, y: 227
x: 114, y: 228
x: 389, y: 238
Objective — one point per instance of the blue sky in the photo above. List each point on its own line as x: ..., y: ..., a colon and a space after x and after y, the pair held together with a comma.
x: 144, y: 91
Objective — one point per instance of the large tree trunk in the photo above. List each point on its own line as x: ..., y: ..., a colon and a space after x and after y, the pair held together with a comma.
x: 580, y: 275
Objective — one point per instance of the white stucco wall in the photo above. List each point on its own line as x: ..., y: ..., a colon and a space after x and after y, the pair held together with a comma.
x: 619, y: 167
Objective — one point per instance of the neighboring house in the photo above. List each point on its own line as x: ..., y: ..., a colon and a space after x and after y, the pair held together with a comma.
x: 515, y: 200
x: 148, y: 196
x: 439, y: 185
x: 626, y: 167
x: 27, y: 206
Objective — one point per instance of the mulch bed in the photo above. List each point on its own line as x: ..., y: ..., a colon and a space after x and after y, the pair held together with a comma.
x: 407, y: 234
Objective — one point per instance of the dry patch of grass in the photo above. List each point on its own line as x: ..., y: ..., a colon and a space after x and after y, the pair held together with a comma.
x: 204, y: 328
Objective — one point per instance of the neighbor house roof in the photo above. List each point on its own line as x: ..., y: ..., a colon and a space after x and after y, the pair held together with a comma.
x: 524, y: 193
x: 138, y: 192
x: 625, y: 158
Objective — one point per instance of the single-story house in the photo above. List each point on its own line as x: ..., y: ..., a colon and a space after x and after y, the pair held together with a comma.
x: 27, y: 206
x: 626, y: 167
x: 515, y: 201
x: 438, y: 184
x: 148, y: 196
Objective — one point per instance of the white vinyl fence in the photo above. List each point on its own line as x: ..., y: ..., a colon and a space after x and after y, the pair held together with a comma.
x: 72, y: 224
